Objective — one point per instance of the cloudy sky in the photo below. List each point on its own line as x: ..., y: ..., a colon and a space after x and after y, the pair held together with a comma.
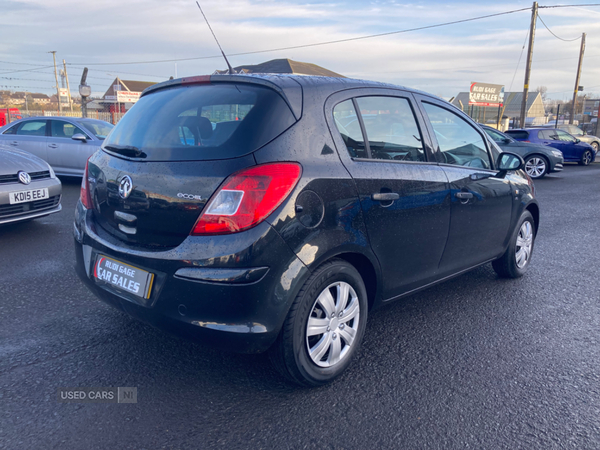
x: 109, y: 35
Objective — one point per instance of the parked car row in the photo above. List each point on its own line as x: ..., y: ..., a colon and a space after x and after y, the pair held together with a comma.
x: 544, y: 149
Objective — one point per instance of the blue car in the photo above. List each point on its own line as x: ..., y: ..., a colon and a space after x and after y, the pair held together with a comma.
x: 573, y: 149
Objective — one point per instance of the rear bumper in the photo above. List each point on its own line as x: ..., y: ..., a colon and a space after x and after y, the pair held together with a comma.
x: 228, y: 292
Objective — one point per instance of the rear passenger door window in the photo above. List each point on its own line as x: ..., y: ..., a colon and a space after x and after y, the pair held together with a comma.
x: 391, y: 129
x: 549, y: 135
x: 459, y: 143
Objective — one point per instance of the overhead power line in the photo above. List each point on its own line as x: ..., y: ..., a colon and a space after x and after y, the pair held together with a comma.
x: 120, y: 71
x: 338, y: 41
x: 557, y: 37
x: 25, y: 79
x: 569, y: 6
x: 519, y: 61
x: 25, y: 70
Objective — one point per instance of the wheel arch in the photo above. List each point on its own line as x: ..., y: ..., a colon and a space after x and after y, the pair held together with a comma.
x: 534, y: 209
x: 539, y: 155
x: 367, y: 272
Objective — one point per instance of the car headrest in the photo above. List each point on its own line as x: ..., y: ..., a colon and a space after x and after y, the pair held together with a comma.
x: 205, y: 127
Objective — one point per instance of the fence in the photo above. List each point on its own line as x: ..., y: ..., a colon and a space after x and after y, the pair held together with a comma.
x: 111, y: 117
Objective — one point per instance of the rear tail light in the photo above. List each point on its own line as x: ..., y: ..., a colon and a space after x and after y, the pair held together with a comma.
x: 247, y: 197
x: 526, y: 141
x: 84, y: 194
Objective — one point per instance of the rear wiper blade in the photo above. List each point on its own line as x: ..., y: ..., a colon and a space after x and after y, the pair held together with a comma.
x: 127, y: 150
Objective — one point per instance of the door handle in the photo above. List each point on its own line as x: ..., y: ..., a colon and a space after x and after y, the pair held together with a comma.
x: 464, y: 195
x: 14, y: 143
x: 385, y: 196
x: 52, y: 145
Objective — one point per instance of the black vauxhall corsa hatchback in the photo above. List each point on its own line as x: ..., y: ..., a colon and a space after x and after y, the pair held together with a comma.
x: 273, y: 212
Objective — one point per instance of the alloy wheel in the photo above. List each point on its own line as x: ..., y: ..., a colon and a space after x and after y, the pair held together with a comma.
x: 535, y: 167
x: 524, y: 244
x: 332, y: 324
x: 587, y: 158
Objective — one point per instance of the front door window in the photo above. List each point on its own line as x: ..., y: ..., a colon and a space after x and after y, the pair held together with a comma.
x: 460, y: 144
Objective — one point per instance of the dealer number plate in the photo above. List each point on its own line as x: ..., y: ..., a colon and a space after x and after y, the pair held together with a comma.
x: 123, y: 276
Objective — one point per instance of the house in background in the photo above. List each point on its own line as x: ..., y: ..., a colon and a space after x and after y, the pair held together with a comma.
x: 129, y: 90
x: 40, y: 99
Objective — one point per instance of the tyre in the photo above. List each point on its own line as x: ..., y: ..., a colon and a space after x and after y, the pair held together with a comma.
x: 324, y: 327
x: 516, y: 259
x: 595, y: 145
x: 536, y: 166
x: 586, y: 158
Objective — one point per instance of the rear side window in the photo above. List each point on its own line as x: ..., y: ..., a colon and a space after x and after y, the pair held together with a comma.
x: 518, y: 134
x: 32, y: 128
x: 201, y: 122
x: 12, y: 130
x: 460, y: 144
x: 347, y: 123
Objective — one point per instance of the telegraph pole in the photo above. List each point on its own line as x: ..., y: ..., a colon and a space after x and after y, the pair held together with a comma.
x: 56, y: 78
x: 572, y: 116
x: 68, y: 90
x: 534, y: 12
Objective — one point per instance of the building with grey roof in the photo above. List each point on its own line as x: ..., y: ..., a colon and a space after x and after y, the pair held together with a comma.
x: 535, y: 111
x: 284, y: 66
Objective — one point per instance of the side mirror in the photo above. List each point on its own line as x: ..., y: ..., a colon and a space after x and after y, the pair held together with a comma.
x: 577, y: 141
x: 79, y: 137
x: 509, y: 161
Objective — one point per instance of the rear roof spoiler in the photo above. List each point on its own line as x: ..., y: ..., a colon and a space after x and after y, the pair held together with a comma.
x: 289, y: 89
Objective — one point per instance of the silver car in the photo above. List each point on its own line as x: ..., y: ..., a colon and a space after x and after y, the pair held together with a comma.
x: 64, y: 142
x: 28, y: 186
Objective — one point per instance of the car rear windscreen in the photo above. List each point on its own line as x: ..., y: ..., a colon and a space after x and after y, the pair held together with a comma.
x: 201, y: 122
x: 517, y: 134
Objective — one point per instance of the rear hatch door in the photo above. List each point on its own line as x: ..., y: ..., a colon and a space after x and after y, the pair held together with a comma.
x: 168, y: 155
